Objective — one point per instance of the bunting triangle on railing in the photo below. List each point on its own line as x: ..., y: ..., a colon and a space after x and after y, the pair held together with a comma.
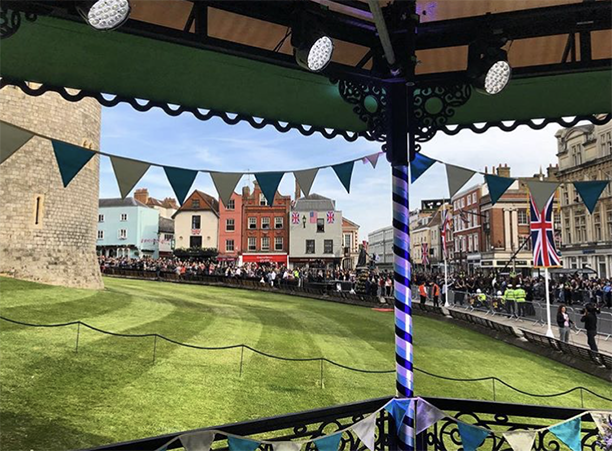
x: 180, y: 180
x: 329, y: 442
x: 344, y: 171
x: 287, y: 446
x: 70, y: 159
x: 590, y: 192
x: 242, y: 444
x: 520, y: 440
x: 471, y: 436
x: 419, y: 165
x: 569, y: 433
x: 427, y: 416
x: 13, y: 139
x: 198, y: 441
x: 366, y: 431
x: 128, y: 173
x: 268, y: 182
x: 497, y: 186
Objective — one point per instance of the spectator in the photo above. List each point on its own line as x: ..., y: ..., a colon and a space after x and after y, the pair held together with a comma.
x: 589, y: 318
x: 564, y: 322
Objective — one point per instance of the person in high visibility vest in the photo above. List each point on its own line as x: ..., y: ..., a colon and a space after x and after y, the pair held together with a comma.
x: 509, y: 300
x: 423, y: 293
x: 481, y: 298
x: 519, y: 296
x: 435, y: 290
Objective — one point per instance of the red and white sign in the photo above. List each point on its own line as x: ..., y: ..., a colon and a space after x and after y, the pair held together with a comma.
x: 265, y: 258
x: 195, y: 231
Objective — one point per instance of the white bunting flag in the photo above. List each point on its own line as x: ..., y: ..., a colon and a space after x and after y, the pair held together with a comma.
x: 366, y: 430
x: 427, y: 415
x: 13, y: 138
x: 520, y: 440
x: 601, y: 419
x: 197, y: 441
x: 286, y: 446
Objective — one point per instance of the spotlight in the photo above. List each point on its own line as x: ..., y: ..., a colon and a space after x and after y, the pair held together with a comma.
x: 489, y: 69
x: 105, y: 15
x: 312, y: 48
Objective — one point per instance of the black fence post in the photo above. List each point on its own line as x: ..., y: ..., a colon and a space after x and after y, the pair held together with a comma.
x: 241, y: 358
x: 154, y: 346
x: 581, y: 398
x: 77, y: 337
x: 322, y: 383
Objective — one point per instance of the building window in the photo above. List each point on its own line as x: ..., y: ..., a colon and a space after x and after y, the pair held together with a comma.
x: 580, y: 226
x: 577, y: 155
x: 252, y: 244
x: 229, y: 245
x: 475, y: 217
x: 470, y: 243
x: 278, y: 222
x: 123, y: 234
x: 230, y: 226
x: 196, y: 222
x: 476, y: 246
x: 265, y: 222
x: 320, y: 225
x: 522, y: 217
x: 605, y: 142
x: 168, y: 236
x: 597, y: 226
x: 278, y: 243
x: 265, y: 243
x: 195, y: 203
x: 469, y: 200
x: 100, y: 234
x: 124, y: 217
x: 252, y: 223
x: 474, y: 198
x: 100, y: 218
x: 262, y: 200
x: 348, y: 240
x: 195, y: 241
x: 328, y: 246
x: 310, y: 246
x: 231, y: 205
x: 38, y: 210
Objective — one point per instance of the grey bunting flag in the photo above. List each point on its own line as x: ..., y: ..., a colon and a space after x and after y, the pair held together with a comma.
x: 457, y: 177
x: 373, y: 159
x: 305, y: 179
x: 541, y: 192
x: 225, y: 183
x: 13, y: 138
x: 128, y: 173
x: 198, y: 441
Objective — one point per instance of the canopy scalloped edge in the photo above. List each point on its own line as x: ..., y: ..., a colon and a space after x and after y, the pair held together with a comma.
x: 75, y: 95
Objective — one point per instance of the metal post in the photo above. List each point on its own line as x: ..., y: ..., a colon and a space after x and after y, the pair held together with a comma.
x: 549, y: 332
x: 154, y: 346
x: 241, y: 359
x: 494, y: 394
x: 322, y: 383
x: 581, y: 398
x: 77, y: 337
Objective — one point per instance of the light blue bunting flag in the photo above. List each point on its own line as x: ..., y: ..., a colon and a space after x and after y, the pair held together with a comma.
x: 497, y: 186
x: 268, y: 182
x: 70, y: 159
x: 590, y: 192
x: 329, y: 442
x: 569, y: 433
x: 471, y: 436
x: 242, y: 444
x: 180, y: 180
x: 397, y: 409
x: 344, y: 172
x: 419, y: 165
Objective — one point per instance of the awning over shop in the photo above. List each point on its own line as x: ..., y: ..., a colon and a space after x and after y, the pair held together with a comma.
x: 265, y: 258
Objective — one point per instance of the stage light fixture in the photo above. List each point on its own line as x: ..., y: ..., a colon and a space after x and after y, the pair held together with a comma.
x: 312, y: 48
x: 489, y: 69
x: 105, y: 15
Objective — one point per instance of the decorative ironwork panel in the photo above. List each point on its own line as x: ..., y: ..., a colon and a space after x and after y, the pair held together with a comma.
x: 10, y: 21
x: 370, y: 102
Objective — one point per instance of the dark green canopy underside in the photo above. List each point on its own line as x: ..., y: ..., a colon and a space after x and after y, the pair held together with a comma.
x: 57, y: 52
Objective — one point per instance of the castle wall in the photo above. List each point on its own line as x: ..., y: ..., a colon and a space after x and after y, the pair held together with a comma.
x: 57, y: 245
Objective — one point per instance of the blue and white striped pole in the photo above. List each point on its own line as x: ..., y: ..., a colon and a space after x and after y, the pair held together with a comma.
x: 403, y: 302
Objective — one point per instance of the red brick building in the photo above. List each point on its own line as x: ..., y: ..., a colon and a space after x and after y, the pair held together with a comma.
x: 467, y: 230
x: 230, y: 229
x: 265, y: 228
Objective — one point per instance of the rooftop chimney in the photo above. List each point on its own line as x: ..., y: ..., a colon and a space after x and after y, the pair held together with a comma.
x: 246, y: 192
x: 142, y: 195
x: 503, y: 171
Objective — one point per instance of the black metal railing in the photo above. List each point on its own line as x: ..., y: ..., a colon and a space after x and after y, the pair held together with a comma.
x: 443, y: 436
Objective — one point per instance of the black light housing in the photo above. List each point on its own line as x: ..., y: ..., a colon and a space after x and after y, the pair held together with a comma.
x: 488, y: 67
x: 105, y: 15
x: 312, y: 48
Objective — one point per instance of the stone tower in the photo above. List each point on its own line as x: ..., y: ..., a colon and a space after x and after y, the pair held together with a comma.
x: 48, y: 232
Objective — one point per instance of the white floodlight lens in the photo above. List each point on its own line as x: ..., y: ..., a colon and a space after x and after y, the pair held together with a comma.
x: 320, y: 54
x: 497, y: 77
x: 108, y: 14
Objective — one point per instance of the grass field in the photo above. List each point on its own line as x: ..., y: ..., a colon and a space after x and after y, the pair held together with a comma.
x: 54, y: 398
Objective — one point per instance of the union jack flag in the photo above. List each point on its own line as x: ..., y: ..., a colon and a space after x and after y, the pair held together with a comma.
x: 331, y: 217
x: 425, y: 253
x: 545, y: 254
x: 295, y: 217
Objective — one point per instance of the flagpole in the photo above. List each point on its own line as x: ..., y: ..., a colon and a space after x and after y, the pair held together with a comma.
x: 549, y: 332
x: 446, y: 304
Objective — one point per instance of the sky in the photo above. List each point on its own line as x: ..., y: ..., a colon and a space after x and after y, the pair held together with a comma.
x: 187, y: 142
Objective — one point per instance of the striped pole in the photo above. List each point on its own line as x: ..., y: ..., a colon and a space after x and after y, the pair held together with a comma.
x: 403, y: 302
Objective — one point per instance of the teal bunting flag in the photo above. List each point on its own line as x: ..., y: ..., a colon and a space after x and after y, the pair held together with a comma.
x: 242, y: 444
x: 268, y: 182
x: 180, y: 180
x: 329, y: 442
x: 419, y: 165
x: 569, y: 433
x: 344, y: 172
x: 497, y: 186
x: 397, y: 409
x: 471, y: 436
x: 70, y: 159
x: 590, y: 192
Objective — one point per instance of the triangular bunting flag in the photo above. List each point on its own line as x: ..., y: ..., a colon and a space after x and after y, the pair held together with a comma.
x: 602, y: 419
x: 373, y: 159
x: 329, y: 442
x: 225, y: 183
x: 419, y: 165
x: 70, y: 159
x: 541, y: 192
x: 305, y: 179
x: 569, y: 433
x: 471, y: 436
x: 457, y: 177
x: 427, y: 416
x: 198, y: 441
x: 497, y: 186
x: 242, y: 444
x: 344, y: 172
x: 397, y: 408
x: 13, y: 138
x: 366, y: 431
x: 180, y: 180
x: 520, y: 440
x: 268, y: 182
x: 286, y: 446
x: 127, y: 173
x: 590, y: 192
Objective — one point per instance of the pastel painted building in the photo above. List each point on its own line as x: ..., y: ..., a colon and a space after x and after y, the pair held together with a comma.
x: 230, y: 229
x: 127, y: 228
x: 196, y: 223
